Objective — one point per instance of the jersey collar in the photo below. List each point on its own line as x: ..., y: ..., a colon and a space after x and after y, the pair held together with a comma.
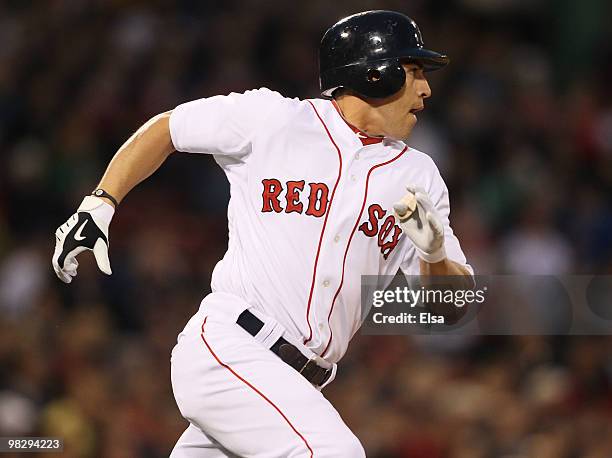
x: 361, y: 135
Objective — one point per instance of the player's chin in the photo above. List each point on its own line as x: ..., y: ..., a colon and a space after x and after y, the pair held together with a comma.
x: 406, y: 128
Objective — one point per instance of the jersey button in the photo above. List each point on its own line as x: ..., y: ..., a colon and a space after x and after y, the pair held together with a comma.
x: 321, y: 326
x: 357, y: 156
x: 326, y: 283
x: 353, y: 178
x: 337, y: 238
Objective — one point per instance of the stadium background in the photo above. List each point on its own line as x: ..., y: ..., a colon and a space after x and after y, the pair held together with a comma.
x: 520, y: 124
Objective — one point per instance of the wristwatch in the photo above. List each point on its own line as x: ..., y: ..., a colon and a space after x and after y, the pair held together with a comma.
x: 102, y: 193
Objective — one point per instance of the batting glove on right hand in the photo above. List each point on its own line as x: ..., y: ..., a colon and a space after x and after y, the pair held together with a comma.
x: 423, y: 225
x: 86, y: 230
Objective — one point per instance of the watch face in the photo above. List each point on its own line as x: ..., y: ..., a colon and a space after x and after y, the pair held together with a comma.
x: 99, y: 192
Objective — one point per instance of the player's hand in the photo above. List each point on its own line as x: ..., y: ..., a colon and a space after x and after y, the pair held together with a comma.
x: 419, y: 220
x: 86, y: 230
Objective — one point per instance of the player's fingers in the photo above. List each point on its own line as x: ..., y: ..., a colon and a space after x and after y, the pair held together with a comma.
x: 65, y: 228
x: 400, y: 209
x: 70, y: 266
x: 435, y: 224
x: 414, y: 189
x: 55, y: 260
x: 101, y: 254
x: 71, y: 272
x: 72, y: 256
x: 423, y: 198
x: 62, y: 276
x: 59, y: 271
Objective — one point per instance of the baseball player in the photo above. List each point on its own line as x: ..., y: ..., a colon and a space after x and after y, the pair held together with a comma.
x: 318, y: 197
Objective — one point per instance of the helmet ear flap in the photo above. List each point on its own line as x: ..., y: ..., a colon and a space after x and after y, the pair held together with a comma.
x: 373, y: 75
x: 369, y: 79
x: 381, y: 79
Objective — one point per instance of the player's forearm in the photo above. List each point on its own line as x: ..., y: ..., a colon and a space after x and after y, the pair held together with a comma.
x: 138, y: 157
x: 446, y: 267
x: 446, y: 275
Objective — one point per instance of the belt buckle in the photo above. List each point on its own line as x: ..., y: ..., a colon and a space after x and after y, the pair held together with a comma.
x: 310, y: 360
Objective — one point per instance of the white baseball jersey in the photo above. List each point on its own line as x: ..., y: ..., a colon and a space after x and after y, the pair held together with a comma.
x: 310, y: 208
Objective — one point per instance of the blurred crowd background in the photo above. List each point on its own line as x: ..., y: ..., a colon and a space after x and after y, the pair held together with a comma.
x: 520, y: 125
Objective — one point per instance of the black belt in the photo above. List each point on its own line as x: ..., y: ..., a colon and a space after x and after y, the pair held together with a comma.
x: 311, y: 371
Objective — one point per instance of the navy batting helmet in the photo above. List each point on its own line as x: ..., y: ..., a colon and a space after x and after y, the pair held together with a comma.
x: 364, y: 52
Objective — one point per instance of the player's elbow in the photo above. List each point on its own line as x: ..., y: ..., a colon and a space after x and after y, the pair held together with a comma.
x: 154, y: 138
x: 162, y: 125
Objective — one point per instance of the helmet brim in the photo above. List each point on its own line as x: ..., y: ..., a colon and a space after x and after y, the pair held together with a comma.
x: 431, y: 60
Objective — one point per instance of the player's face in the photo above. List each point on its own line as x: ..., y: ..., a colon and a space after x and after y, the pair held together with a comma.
x: 398, y: 112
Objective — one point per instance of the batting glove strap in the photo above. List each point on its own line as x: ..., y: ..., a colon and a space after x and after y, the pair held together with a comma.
x: 434, y: 257
x: 103, y: 210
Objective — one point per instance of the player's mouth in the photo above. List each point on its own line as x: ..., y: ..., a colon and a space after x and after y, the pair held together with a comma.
x: 415, y: 110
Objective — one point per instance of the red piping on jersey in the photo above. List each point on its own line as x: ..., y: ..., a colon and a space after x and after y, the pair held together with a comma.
x: 254, y: 389
x: 365, y: 196
x: 331, y: 199
x: 366, y: 139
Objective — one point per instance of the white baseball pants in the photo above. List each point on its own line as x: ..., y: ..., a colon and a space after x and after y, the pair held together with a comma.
x: 243, y: 400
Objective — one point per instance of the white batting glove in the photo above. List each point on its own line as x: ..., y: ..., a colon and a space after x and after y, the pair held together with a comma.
x: 86, y: 230
x: 421, y: 223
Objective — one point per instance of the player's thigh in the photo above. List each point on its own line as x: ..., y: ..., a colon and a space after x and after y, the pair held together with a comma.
x: 193, y: 443
x: 245, y: 397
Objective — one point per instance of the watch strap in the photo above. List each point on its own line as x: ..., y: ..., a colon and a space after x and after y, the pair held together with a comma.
x: 102, y: 193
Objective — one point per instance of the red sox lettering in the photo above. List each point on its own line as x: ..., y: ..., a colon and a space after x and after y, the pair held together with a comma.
x: 388, y: 228
x: 317, y: 197
x: 377, y: 225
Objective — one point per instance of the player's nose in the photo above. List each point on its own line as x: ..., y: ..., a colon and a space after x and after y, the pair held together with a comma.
x: 424, y: 90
